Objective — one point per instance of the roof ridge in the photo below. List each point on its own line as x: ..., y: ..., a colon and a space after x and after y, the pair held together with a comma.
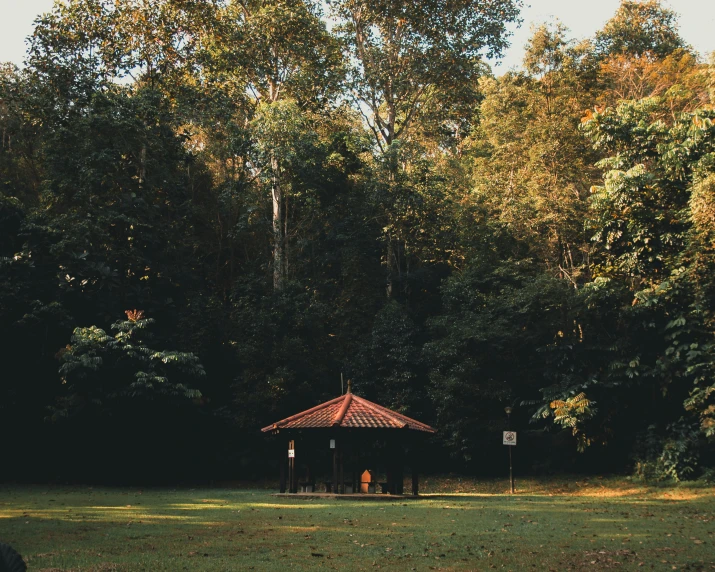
x: 340, y: 415
x: 318, y: 407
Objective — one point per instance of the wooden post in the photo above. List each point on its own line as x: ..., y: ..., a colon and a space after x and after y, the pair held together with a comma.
x: 415, y: 475
x: 400, y: 476
x: 282, y: 463
x: 295, y: 473
x: 341, y: 473
x: 508, y: 410
x: 292, y: 479
x: 390, y: 469
x: 511, y: 472
x: 396, y: 472
x: 355, y: 476
x: 335, y: 469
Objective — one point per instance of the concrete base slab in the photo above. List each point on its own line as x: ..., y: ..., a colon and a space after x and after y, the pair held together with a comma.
x: 349, y: 496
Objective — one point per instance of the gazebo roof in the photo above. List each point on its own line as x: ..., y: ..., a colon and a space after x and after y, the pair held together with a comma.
x: 349, y: 411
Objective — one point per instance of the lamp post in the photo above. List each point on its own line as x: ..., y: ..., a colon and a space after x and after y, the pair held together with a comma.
x: 507, y: 410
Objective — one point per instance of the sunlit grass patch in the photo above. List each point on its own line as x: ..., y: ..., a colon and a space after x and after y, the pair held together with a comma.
x: 565, y: 524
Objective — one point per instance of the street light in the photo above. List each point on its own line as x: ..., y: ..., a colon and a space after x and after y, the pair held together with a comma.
x: 507, y: 410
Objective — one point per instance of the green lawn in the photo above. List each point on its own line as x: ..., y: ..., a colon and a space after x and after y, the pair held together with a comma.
x: 595, y: 524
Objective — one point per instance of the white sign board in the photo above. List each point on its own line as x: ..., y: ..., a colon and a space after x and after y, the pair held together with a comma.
x: 509, y: 438
x: 332, y: 443
x: 291, y: 453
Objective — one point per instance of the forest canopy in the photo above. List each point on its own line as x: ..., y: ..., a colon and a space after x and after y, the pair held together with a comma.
x: 211, y: 210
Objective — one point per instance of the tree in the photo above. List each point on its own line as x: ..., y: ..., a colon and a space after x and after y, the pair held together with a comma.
x: 641, y: 54
x: 288, y: 157
x: 640, y: 29
x: 496, y: 313
x: 98, y: 41
x: 18, y: 152
x: 648, y: 250
x: 122, y: 399
x: 410, y: 56
x: 700, y: 360
x: 98, y: 368
x: 284, y: 50
x: 639, y: 215
x: 281, y: 50
x: 413, y: 63
x: 528, y: 160
x: 389, y: 368
x: 677, y: 78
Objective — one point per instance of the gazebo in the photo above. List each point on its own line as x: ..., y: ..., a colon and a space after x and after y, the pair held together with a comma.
x: 361, y: 435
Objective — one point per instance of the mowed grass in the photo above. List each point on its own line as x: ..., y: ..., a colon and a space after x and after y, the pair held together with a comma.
x: 567, y: 524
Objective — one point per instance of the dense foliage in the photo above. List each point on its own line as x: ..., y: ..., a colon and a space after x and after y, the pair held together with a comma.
x: 285, y: 202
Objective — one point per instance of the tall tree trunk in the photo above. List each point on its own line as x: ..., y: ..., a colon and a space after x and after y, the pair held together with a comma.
x: 391, y: 259
x: 278, y: 234
x: 142, y: 166
x: 389, y: 256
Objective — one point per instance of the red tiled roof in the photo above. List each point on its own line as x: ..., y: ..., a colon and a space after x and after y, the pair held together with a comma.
x: 349, y: 411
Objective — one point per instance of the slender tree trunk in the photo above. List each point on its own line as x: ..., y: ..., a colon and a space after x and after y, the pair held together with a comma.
x: 142, y: 166
x: 278, y: 235
x: 286, y: 253
x: 389, y: 256
x: 391, y: 259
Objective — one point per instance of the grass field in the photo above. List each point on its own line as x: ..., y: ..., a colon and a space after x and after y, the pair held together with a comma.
x: 567, y: 524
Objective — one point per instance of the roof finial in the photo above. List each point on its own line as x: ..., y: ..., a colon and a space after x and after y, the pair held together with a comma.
x: 350, y: 385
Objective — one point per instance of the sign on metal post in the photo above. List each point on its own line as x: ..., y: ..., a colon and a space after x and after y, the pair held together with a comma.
x: 291, y: 453
x: 332, y: 443
x: 509, y: 438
